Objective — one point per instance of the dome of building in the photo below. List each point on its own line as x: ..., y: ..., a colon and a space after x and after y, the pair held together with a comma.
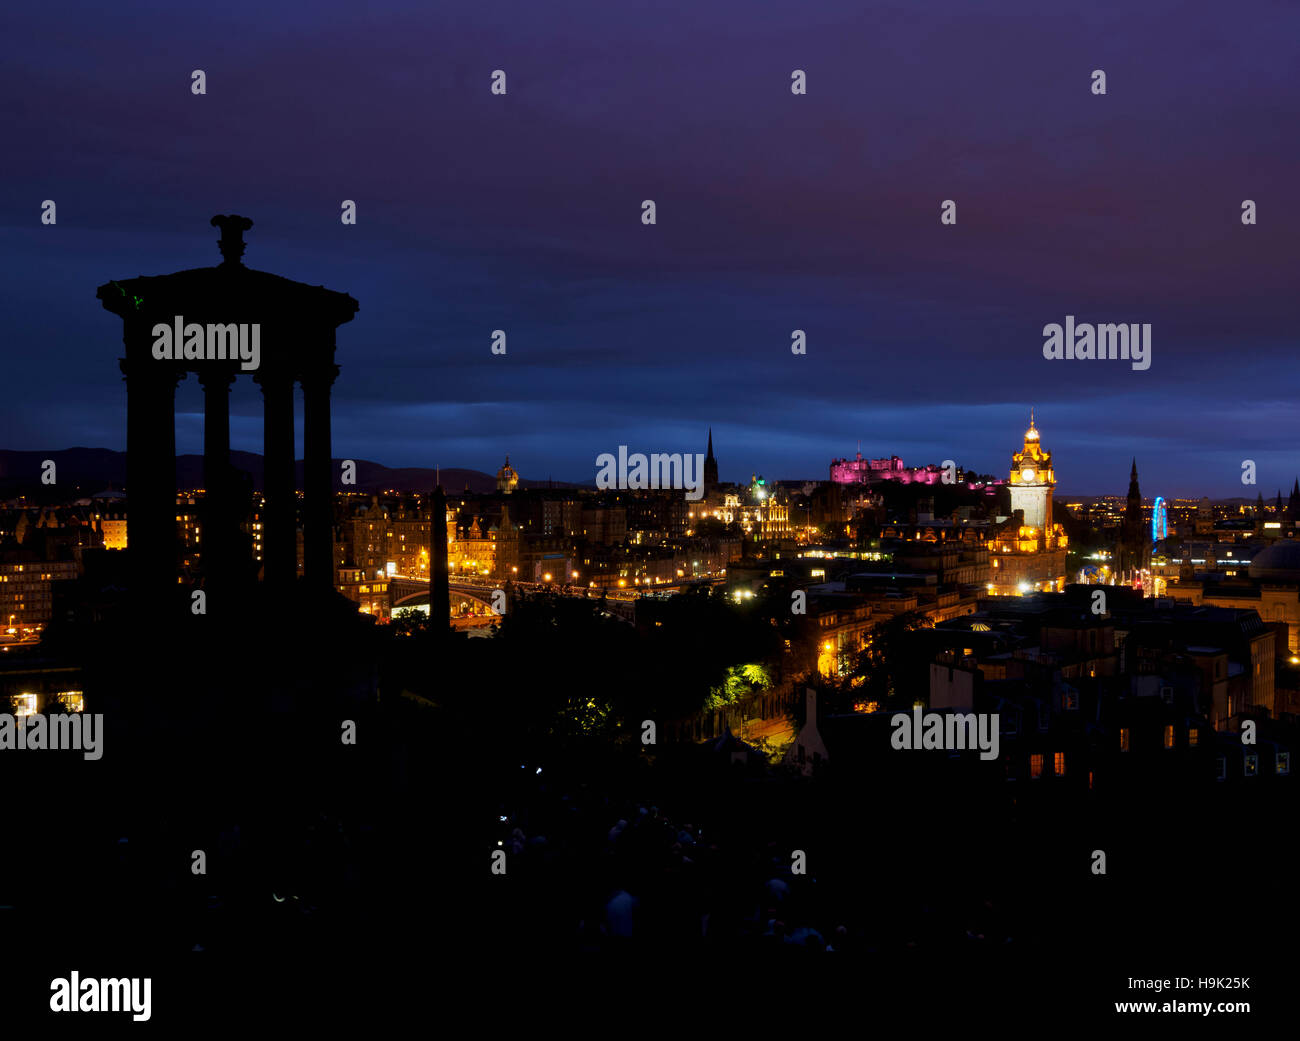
x: 1279, y: 563
x: 507, y: 478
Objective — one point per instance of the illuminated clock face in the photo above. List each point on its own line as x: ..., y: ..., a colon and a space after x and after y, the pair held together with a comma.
x: 1027, y: 474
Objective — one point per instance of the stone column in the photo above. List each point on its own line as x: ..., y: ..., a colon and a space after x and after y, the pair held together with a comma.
x: 318, y: 479
x: 216, y: 426
x: 279, y: 514
x: 220, y: 519
x: 151, y: 472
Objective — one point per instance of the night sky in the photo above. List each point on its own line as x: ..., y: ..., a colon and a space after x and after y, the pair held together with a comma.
x: 775, y: 212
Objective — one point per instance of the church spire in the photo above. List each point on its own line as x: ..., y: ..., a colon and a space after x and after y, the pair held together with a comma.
x: 1032, y: 433
x: 710, y: 466
x: 1133, y: 551
x: 1134, y: 493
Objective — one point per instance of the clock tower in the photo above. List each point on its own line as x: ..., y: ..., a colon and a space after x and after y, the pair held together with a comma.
x: 1032, y: 481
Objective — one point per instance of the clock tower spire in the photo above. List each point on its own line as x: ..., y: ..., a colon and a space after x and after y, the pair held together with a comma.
x: 1032, y: 482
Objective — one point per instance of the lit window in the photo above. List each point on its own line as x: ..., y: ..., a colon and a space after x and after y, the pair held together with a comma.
x: 1059, y: 764
x: 1123, y: 739
x: 1035, y: 766
x: 1252, y: 765
x: 1169, y: 736
x: 1193, y: 736
x: 1283, y: 763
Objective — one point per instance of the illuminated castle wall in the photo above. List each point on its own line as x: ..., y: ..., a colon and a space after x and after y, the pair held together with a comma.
x: 873, y: 471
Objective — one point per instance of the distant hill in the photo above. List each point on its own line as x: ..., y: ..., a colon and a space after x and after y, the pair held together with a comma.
x: 86, y: 471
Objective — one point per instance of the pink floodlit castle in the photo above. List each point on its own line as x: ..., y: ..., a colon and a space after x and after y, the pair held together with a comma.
x: 873, y: 471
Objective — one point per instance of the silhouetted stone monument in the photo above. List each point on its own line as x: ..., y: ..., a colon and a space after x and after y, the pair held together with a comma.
x: 225, y: 315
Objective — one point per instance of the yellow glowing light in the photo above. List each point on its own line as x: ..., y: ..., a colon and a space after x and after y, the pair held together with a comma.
x: 72, y: 700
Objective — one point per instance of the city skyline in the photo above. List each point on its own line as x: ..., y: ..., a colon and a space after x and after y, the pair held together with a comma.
x: 780, y: 487
x: 740, y: 475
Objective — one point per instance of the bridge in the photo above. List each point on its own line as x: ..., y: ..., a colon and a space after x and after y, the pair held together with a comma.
x: 408, y: 591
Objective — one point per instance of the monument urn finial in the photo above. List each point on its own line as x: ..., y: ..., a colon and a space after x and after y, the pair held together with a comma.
x: 231, y: 243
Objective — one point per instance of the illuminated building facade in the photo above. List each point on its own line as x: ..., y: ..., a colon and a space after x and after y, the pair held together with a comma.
x: 26, y: 595
x: 1029, y: 557
x: 112, y: 527
x: 370, y: 592
x: 867, y: 471
x: 762, y: 514
x: 507, y: 479
x: 874, y: 471
x: 1032, y: 481
x: 393, y: 536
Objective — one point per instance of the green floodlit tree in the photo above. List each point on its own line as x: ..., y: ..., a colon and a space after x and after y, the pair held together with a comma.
x: 587, y: 714
x: 740, y: 682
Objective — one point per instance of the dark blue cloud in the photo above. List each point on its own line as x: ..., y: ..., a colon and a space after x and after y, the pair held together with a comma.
x: 775, y: 212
